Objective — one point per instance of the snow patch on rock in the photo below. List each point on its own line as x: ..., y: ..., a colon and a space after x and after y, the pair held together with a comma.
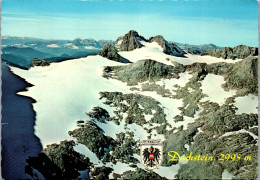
x: 212, y: 87
x: 247, y: 104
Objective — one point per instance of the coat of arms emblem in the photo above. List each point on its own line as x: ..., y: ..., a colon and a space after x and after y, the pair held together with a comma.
x: 151, y: 153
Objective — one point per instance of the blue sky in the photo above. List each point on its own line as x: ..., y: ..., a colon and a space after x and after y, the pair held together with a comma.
x: 221, y: 22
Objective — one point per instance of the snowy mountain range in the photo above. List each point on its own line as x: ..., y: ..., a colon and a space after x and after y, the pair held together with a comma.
x: 93, y: 112
x: 78, y: 43
x: 20, y: 51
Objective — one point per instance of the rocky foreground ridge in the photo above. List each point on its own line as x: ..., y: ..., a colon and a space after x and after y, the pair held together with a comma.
x: 214, y: 128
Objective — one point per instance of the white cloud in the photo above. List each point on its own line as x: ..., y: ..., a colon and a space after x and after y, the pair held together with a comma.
x: 53, y: 46
x: 90, y: 47
x: 74, y: 47
x: 68, y: 44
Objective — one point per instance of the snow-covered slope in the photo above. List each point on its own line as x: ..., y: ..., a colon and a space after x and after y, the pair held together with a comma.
x: 64, y: 92
x: 155, y: 52
x: 211, y: 86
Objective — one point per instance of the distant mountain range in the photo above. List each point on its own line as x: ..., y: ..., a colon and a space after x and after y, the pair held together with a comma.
x: 55, y: 47
x: 20, y: 51
x: 197, y: 49
x: 70, y: 47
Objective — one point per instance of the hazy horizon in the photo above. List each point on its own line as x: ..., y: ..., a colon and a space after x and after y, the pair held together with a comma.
x: 113, y: 40
x: 196, y: 22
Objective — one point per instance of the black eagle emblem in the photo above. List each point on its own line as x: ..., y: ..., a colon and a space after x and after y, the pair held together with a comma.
x: 151, y: 156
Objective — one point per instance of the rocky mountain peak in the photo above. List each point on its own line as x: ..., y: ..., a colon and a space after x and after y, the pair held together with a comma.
x: 133, y: 33
x: 168, y: 48
x: 131, y: 41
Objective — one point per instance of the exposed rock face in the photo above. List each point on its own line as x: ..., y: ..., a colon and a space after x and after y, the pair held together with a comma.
x: 101, y: 173
x: 134, y: 113
x: 39, y: 62
x: 143, y: 70
x: 215, y: 121
x: 110, y: 52
x: 238, y: 52
x: 168, y: 48
x: 176, y: 50
x: 98, y: 113
x: 192, y: 51
x: 242, y: 75
x: 58, y: 161
x: 91, y: 137
x: 131, y: 41
x: 141, y: 174
x: 118, y: 42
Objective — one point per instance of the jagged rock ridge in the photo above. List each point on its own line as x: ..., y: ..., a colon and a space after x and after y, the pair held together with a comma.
x: 168, y: 48
x: 132, y: 40
x: 238, y: 52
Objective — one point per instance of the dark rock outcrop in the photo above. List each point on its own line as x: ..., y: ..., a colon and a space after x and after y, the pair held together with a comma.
x: 131, y: 41
x: 143, y: 70
x: 242, y: 51
x: 242, y: 75
x: 141, y: 174
x: 218, y: 120
x: 168, y: 48
x: 238, y: 52
x: 98, y: 113
x: 101, y: 173
x: 90, y: 136
x: 58, y: 161
x: 134, y: 113
x: 110, y: 52
x: 39, y: 62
